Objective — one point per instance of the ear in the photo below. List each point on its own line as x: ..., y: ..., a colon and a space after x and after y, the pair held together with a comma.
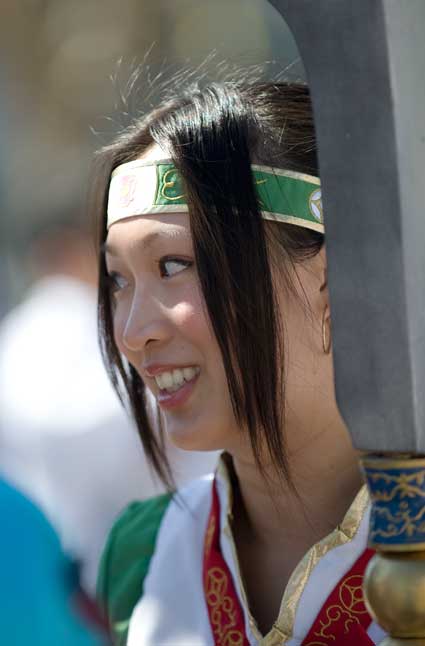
x: 324, y: 306
x: 322, y: 273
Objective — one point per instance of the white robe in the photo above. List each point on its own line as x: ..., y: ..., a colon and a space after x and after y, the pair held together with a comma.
x: 173, y: 612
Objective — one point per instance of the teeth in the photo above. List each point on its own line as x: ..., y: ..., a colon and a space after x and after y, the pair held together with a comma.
x: 178, y: 377
x: 172, y: 380
x: 167, y: 379
x: 159, y: 381
x: 189, y: 373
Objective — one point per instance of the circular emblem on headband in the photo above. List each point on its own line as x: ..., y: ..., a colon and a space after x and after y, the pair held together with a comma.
x: 315, y: 204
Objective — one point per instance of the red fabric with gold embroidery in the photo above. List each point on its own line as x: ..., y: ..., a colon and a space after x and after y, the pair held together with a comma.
x: 224, y: 610
x: 343, y: 618
x: 342, y: 621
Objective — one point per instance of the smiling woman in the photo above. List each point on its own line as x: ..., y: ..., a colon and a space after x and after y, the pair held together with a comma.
x: 213, y: 297
x: 159, y: 322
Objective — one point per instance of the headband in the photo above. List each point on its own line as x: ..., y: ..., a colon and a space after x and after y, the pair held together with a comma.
x: 139, y: 188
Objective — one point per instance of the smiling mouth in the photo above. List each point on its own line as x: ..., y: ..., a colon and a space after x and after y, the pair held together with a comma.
x: 171, y: 381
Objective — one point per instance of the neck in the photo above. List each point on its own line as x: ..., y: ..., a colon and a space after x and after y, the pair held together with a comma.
x: 326, y: 478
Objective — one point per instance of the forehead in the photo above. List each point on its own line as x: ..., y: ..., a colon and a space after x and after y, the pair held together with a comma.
x: 144, y: 231
x: 153, y: 153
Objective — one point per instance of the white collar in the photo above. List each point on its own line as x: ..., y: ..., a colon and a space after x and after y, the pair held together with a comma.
x: 312, y: 580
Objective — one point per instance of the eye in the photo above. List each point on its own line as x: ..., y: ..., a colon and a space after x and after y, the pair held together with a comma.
x: 171, y: 266
x: 116, y: 282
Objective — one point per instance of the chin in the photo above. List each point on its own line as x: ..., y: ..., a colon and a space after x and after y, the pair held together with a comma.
x: 193, y: 438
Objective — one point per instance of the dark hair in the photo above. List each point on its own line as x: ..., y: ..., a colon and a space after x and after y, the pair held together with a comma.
x: 213, y: 135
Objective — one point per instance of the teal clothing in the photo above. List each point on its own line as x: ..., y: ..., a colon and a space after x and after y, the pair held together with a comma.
x: 38, y: 582
x: 125, y: 562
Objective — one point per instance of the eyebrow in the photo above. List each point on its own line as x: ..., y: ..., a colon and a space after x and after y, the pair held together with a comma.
x: 147, y: 242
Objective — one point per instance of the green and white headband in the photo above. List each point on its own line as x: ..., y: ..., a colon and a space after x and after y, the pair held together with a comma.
x: 140, y: 188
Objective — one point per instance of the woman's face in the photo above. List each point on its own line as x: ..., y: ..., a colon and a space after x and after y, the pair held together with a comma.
x: 162, y: 327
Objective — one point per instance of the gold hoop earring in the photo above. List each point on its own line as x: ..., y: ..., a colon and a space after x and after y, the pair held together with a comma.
x: 326, y: 335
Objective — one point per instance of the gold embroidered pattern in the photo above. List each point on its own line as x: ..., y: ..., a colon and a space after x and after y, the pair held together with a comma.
x: 348, y: 610
x: 399, y: 524
x: 404, y: 485
x: 222, y: 608
x: 398, y: 511
x: 209, y: 535
x: 169, y: 185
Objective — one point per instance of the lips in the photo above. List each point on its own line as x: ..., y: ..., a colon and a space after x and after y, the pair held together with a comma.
x: 177, y: 396
x: 172, y: 381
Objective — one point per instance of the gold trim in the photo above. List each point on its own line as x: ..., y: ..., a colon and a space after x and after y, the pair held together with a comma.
x: 282, y: 630
x: 344, y: 533
x: 151, y: 210
x: 209, y: 536
x: 290, y: 219
x: 166, y: 185
x: 399, y: 548
x: 182, y: 208
x: 393, y: 463
x: 137, y: 163
x: 311, y: 179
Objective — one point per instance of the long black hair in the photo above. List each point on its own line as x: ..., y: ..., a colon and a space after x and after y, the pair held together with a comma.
x: 213, y: 135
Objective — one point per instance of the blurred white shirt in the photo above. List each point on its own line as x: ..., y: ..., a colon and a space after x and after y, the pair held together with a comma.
x: 65, y: 440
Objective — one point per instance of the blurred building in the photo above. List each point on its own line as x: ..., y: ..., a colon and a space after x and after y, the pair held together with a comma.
x: 65, y: 66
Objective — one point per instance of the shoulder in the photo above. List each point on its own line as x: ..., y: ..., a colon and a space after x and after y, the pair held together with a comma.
x: 132, y: 543
x: 127, y: 554
x: 24, y: 521
x: 38, y: 580
x: 182, y: 525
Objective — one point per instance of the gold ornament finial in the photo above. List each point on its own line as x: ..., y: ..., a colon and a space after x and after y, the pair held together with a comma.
x: 394, y: 582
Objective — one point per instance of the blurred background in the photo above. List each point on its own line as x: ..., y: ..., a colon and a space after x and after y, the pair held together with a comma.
x: 72, y: 74
x: 58, y: 62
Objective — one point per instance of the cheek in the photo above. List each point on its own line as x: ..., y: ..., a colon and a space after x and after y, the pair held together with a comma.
x: 191, y: 319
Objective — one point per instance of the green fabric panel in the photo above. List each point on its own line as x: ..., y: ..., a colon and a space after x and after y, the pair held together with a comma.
x: 170, y: 186
x: 285, y: 195
x: 125, y: 562
x: 277, y: 193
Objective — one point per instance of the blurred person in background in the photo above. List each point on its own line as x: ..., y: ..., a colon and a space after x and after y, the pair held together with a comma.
x: 41, y: 601
x: 65, y: 441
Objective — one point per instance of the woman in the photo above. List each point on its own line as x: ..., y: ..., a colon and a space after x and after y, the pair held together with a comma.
x: 213, y: 297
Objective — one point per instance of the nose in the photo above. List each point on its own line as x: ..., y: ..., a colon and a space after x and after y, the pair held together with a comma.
x: 146, y: 322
